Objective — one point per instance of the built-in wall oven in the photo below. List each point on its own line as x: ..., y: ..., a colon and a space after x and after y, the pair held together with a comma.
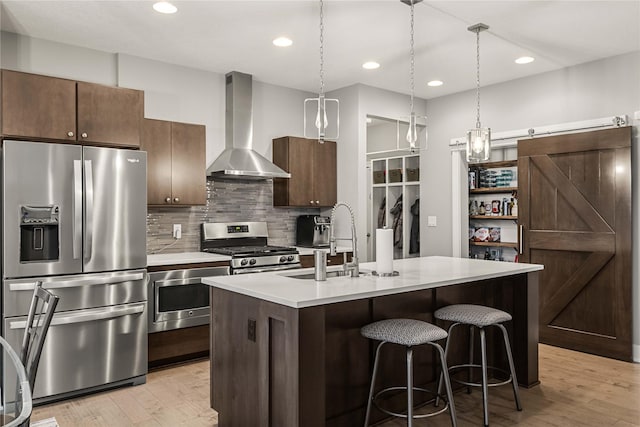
x: 178, y: 299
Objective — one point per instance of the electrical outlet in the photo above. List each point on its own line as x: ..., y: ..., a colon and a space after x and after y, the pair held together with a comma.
x: 432, y: 221
x: 177, y: 231
x: 251, y: 330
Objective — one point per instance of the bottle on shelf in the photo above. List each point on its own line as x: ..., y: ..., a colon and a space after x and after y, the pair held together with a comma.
x: 473, y: 208
x: 514, y: 208
x: 481, y: 210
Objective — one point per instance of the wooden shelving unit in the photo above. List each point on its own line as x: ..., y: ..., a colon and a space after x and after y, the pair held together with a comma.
x: 506, y: 217
x: 509, y: 228
x: 493, y: 190
x: 500, y: 164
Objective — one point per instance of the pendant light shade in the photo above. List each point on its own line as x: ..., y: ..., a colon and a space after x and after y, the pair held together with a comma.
x: 321, y: 114
x: 416, y: 133
x: 479, y: 138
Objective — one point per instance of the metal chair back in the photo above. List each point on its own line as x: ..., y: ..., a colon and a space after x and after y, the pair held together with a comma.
x: 43, y: 305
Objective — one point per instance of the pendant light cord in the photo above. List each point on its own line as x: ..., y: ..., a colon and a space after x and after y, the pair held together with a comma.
x: 478, y: 77
x: 321, y: 48
x: 412, y: 55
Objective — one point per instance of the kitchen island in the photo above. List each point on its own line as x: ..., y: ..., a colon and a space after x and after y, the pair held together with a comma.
x: 287, y: 351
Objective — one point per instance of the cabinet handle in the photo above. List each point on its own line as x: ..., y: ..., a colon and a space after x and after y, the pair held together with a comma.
x: 69, y: 133
x: 176, y: 200
x: 168, y: 200
x: 521, y: 238
x: 84, y: 135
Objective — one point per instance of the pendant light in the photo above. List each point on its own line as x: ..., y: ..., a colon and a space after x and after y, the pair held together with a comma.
x: 479, y: 138
x: 318, y: 110
x: 413, y: 136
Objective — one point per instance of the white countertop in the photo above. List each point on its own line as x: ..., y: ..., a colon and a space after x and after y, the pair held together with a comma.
x: 415, y: 274
x: 184, y: 258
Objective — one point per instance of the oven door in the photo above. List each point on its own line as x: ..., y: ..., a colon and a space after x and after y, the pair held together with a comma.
x: 265, y: 268
x: 180, y: 300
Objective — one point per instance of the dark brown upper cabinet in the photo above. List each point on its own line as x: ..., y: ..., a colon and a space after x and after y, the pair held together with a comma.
x: 312, y: 166
x: 109, y: 115
x: 50, y: 108
x: 176, y: 169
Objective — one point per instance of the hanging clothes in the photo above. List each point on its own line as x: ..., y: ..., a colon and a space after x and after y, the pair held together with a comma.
x: 414, y: 236
x: 396, y: 211
x: 382, y: 213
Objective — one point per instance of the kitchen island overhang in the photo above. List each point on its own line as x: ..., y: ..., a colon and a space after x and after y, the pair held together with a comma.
x: 288, y: 351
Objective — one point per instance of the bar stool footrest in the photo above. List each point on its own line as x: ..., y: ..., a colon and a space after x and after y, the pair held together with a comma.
x: 454, y: 370
x: 424, y: 390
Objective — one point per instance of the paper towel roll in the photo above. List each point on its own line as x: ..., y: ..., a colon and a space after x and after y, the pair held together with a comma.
x: 384, y: 250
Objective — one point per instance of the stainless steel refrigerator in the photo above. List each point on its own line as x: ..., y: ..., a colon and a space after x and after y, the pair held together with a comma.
x: 75, y: 218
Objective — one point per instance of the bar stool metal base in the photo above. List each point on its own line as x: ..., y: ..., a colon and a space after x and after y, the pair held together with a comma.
x: 415, y: 416
x: 409, y: 416
x: 492, y: 382
x: 484, y: 368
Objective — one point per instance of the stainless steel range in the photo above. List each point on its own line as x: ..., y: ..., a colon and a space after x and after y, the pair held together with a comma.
x: 246, y: 243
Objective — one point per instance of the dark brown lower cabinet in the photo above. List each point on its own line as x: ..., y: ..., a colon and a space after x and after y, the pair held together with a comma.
x: 307, y: 261
x: 273, y: 365
x: 575, y: 210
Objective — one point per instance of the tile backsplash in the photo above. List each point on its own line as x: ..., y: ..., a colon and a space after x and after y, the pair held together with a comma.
x: 227, y: 201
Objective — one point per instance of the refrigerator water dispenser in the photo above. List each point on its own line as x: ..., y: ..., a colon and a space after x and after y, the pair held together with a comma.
x: 39, y: 233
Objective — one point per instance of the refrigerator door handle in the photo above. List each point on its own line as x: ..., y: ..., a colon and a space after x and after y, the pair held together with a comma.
x: 88, y: 177
x: 83, y: 316
x: 28, y: 286
x: 76, y: 225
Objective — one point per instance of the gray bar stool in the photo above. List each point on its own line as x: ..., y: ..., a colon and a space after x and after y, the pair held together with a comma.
x: 479, y: 316
x: 409, y: 333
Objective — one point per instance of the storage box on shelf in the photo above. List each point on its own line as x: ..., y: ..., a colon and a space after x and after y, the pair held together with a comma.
x: 493, y: 228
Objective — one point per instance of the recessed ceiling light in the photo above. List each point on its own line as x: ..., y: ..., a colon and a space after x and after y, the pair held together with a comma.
x: 371, y: 65
x: 283, y: 42
x: 434, y: 83
x: 524, y: 60
x: 164, y: 7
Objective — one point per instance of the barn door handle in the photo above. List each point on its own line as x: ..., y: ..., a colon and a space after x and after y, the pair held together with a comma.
x: 521, y: 238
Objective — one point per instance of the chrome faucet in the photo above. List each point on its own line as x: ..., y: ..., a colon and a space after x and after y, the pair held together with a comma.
x: 353, y: 266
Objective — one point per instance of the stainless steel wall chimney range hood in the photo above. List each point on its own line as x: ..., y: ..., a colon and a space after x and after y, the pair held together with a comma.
x: 239, y: 160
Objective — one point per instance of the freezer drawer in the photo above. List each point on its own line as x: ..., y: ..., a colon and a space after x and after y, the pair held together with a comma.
x: 77, y: 354
x: 78, y: 291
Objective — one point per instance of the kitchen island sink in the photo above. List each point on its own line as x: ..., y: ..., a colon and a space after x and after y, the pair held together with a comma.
x: 330, y: 274
x: 288, y: 352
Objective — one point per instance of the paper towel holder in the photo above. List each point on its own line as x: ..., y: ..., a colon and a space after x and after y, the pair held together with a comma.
x: 395, y: 273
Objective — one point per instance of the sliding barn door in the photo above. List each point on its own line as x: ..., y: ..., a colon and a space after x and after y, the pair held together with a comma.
x: 574, y: 193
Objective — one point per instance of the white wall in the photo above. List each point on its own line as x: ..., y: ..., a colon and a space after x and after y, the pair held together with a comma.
x: 588, y: 91
x: 176, y: 93
x: 356, y: 102
x: 172, y: 92
x: 39, y: 56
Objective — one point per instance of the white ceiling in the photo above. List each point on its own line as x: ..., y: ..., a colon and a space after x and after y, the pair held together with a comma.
x: 222, y: 36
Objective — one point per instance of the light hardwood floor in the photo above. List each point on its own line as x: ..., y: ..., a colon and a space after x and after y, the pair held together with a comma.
x: 576, y: 390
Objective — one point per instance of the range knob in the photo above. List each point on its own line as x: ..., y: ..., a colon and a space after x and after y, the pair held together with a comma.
x: 252, y: 261
x: 244, y: 262
x: 290, y: 258
x: 283, y: 259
